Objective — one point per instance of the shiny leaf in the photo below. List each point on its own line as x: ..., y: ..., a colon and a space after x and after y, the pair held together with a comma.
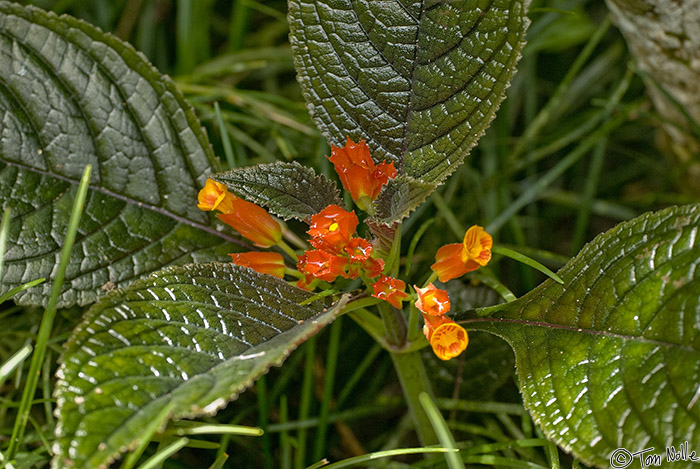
x: 419, y: 81
x: 611, y: 359
x: 71, y: 95
x: 191, y: 337
x: 288, y: 190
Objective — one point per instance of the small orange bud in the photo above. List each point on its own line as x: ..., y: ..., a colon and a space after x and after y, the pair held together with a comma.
x: 215, y: 196
x: 253, y: 223
x: 271, y: 263
x: 390, y: 289
x: 359, y: 173
x: 432, y: 300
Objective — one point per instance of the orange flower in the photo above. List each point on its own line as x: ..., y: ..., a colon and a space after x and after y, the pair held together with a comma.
x: 432, y: 300
x: 215, y: 196
x: 361, y: 260
x: 253, y: 223
x: 332, y: 228
x: 447, y: 338
x: 322, y: 265
x: 455, y: 260
x: 270, y: 263
x: 358, y: 172
x: 390, y: 289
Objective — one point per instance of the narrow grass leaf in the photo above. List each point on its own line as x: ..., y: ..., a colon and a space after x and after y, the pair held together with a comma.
x: 366, y: 459
x: 157, y: 459
x: 151, y: 428
x: 527, y: 261
x: 48, y: 318
x: 454, y: 461
x: 12, y: 363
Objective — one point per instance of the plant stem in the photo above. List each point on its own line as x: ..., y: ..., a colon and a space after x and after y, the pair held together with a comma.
x: 414, y: 381
x: 409, y: 367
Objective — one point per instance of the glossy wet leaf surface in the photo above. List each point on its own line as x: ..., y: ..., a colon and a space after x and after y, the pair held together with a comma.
x: 612, y: 358
x: 71, y: 96
x: 288, y: 190
x: 419, y: 81
x: 192, y: 337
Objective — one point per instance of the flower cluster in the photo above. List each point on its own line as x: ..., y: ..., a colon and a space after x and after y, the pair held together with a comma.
x: 447, y: 338
x: 338, y: 252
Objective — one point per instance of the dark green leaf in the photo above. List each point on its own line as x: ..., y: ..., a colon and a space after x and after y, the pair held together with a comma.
x: 419, y: 81
x: 399, y: 197
x: 71, y: 95
x: 193, y: 337
x: 288, y: 190
x: 612, y: 358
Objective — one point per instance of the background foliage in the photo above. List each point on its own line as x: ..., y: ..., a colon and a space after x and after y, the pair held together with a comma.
x: 570, y: 154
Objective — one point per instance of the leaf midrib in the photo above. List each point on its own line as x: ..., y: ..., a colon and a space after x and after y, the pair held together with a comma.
x: 581, y: 330
x: 154, y: 208
x: 41, y: 62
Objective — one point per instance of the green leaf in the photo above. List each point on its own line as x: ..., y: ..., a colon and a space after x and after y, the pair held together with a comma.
x: 402, y: 195
x: 419, y: 81
x: 288, y: 190
x: 193, y: 337
x: 71, y: 95
x: 612, y: 358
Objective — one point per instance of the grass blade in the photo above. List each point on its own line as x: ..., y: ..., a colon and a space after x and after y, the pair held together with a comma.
x: 48, y: 318
x: 454, y: 461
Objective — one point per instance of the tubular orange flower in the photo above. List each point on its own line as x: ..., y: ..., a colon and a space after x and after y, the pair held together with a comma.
x: 390, y: 289
x: 271, y: 263
x: 447, y: 338
x: 332, y: 228
x: 215, y: 196
x: 322, y: 265
x: 432, y: 300
x: 358, y: 172
x: 455, y: 260
x: 253, y: 223
x: 361, y: 260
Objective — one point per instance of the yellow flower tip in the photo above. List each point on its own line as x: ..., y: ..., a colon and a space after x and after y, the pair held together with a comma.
x: 215, y: 196
x: 448, y: 340
x: 477, y: 246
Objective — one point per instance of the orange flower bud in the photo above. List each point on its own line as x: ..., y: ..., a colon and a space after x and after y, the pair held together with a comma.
x: 332, y: 228
x: 455, y: 260
x: 253, y: 223
x: 432, y: 300
x: 447, y: 338
x: 390, y: 289
x: 271, y: 263
x: 215, y: 196
x: 358, y: 172
x: 322, y: 265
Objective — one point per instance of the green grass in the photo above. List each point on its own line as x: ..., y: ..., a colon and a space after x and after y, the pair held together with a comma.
x: 570, y: 154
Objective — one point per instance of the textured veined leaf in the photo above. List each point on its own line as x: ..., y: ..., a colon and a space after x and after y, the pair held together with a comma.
x: 71, y: 95
x: 419, y: 81
x: 192, y: 337
x: 288, y: 190
x: 612, y: 358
